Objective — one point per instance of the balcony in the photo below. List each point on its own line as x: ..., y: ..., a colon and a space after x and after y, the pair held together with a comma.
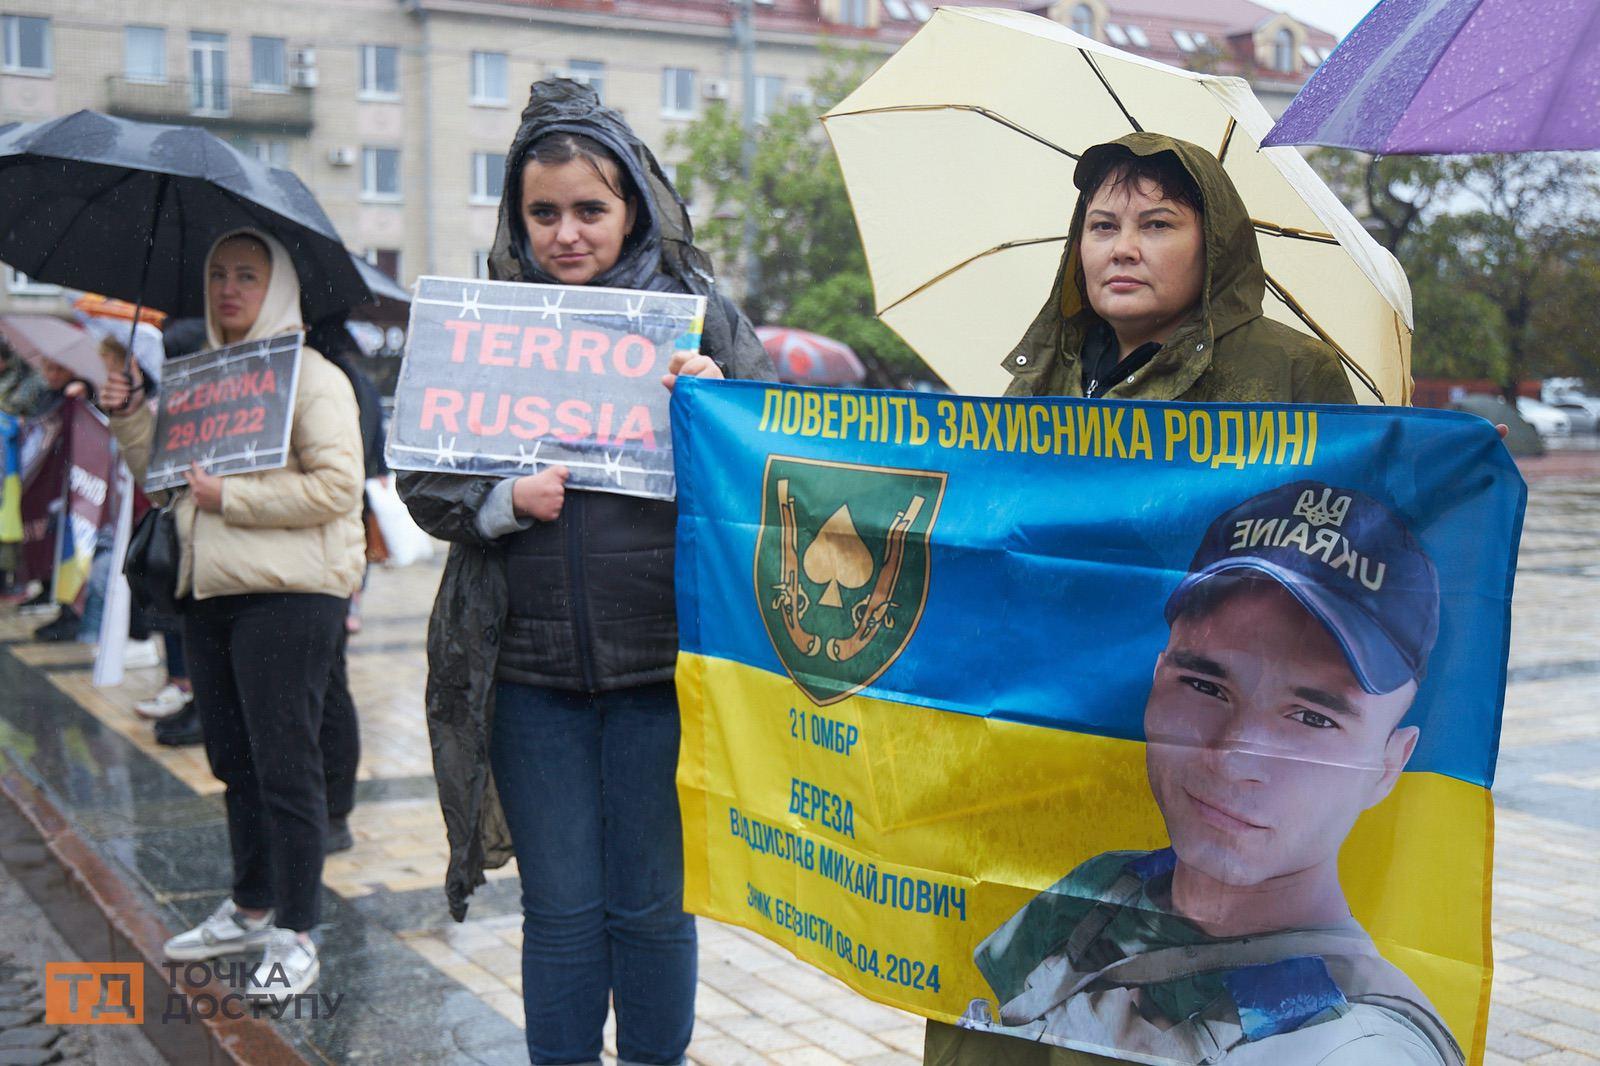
x: 236, y: 107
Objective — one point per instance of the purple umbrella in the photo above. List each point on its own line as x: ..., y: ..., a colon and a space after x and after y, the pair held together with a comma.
x: 1422, y: 77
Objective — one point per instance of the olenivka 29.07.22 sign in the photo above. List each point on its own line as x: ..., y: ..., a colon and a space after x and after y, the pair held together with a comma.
x: 1159, y: 731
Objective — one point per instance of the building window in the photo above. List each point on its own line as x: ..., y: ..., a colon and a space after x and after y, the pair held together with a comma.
x: 144, y: 54
x: 1136, y: 34
x: 677, y: 92
x: 273, y: 153
x: 1283, y: 52
x: 920, y: 11
x: 488, y: 177
x: 853, y: 13
x: 1200, y: 39
x: 27, y: 48
x: 19, y: 284
x: 387, y: 260
x: 769, y: 95
x: 1083, y: 20
x: 269, y: 68
x: 380, y: 173
x: 489, y: 78
x: 897, y: 10
x: 208, y: 73
x: 591, y: 73
x: 380, y: 72
x: 480, y: 263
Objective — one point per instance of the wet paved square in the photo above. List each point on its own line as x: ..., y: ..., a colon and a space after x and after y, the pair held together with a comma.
x: 425, y: 989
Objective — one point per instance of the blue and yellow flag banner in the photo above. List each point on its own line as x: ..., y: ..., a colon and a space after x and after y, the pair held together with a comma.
x: 10, y: 479
x: 1160, y: 731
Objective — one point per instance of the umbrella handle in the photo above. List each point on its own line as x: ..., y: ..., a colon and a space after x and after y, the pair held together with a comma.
x: 144, y: 275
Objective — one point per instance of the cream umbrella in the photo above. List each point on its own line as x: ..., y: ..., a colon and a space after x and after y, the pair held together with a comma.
x: 958, y: 155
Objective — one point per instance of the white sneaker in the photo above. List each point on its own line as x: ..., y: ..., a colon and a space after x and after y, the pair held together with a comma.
x: 164, y: 704
x: 140, y: 654
x: 288, y: 967
x: 225, y: 932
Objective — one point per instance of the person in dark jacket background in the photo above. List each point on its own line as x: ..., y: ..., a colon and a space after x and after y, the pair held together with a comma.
x: 341, y: 725
x: 554, y: 636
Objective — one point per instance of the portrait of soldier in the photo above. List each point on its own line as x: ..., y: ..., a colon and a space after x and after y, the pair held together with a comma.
x: 1298, y: 640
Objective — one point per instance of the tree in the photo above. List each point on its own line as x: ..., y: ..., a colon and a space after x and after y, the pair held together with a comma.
x: 1503, y: 254
x: 812, y: 270
x: 1526, y: 242
x: 1395, y: 193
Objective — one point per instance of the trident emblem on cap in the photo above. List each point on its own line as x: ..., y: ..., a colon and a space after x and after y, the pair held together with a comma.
x: 1327, y: 511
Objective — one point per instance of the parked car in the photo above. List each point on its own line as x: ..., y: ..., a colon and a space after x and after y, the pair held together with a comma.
x: 1583, y: 413
x: 1549, y: 421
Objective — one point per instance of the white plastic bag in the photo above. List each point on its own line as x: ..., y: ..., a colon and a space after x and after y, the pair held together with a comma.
x: 406, y: 542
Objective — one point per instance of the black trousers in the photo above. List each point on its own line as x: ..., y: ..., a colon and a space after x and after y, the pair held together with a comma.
x: 341, y: 735
x: 260, y: 665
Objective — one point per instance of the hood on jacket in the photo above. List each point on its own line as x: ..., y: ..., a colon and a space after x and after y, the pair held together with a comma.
x: 662, y: 235
x: 280, y: 311
x: 1235, y: 281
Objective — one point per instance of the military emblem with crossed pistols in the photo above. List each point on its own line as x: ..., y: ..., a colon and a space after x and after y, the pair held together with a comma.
x: 810, y: 569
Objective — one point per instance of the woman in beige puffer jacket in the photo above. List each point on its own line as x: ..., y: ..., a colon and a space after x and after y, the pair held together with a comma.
x: 267, y: 563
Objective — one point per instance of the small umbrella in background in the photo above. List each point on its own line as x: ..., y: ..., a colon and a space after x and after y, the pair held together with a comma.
x: 40, y: 337
x: 803, y: 358
x: 978, y: 121
x: 131, y: 209
x: 1420, y: 77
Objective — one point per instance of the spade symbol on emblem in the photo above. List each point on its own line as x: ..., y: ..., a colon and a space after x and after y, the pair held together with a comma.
x: 838, y: 557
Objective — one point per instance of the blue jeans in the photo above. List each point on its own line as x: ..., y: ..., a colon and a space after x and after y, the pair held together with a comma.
x: 587, y: 783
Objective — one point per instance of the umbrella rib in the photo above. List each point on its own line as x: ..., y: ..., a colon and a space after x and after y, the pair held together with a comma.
x: 1227, y: 141
x: 1089, y: 59
x: 974, y: 108
x: 1008, y: 245
x: 1300, y: 312
x: 1272, y: 229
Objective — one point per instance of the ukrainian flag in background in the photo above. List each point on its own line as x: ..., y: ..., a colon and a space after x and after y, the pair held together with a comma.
x: 917, y: 635
x: 10, y: 480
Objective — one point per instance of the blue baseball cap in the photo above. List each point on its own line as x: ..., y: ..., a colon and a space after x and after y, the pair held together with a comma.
x: 1348, y: 560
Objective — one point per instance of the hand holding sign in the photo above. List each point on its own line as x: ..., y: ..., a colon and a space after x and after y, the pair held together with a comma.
x: 690, y: 365
x: 541, y: 495
x: 207, y: 489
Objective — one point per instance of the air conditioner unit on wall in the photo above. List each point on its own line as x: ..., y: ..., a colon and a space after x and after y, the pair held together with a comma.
x: 715, y: 89
x: 303, y: 57
x: 342, y: 157
x: 303, y: 77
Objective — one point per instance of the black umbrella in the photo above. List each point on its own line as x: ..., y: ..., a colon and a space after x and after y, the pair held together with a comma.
x: 130, y: 209
x: 389, y: 302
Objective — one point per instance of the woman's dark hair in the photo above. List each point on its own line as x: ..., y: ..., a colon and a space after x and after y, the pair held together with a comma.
x: 1164, y: 170
x: 554, y: 149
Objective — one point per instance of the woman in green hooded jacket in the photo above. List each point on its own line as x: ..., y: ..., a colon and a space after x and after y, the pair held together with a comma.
x: 1160, y: 291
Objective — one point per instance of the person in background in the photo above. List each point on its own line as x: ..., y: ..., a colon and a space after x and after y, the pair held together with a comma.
x: 554, y: 634
x: 341, y: 725
x: 267, y: 563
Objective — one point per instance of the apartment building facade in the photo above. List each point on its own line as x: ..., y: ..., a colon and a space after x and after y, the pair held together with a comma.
x: 397, y: 113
